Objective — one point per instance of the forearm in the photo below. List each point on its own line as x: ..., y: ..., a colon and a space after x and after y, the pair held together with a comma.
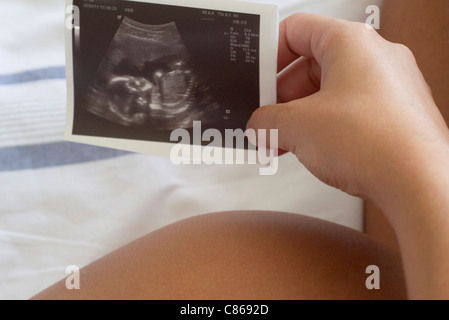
x: 418, y: 208
x: 421, y: 25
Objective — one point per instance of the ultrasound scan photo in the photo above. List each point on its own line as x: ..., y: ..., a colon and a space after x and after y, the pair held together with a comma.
x: 148, y: 78
x: 138, y: 70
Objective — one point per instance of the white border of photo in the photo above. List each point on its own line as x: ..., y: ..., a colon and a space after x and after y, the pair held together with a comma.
x: 269, y: 33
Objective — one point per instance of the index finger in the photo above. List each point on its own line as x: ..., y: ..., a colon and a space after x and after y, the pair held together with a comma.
x: 303, y: 34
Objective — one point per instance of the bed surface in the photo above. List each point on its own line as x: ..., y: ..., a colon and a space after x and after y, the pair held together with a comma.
x: 69, y: 204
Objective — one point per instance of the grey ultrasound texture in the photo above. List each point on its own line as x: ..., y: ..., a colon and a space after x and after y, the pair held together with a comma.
x: 147, y: 79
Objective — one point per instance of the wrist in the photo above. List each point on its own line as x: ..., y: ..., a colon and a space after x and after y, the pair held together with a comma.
x: 417, y: 206
x: 416, y: 181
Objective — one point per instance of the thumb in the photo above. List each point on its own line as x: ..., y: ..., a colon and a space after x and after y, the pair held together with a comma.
x: 281, y: 120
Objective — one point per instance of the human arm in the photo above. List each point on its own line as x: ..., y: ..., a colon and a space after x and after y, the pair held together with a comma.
x: 357, y: 112
x: 422, y: 26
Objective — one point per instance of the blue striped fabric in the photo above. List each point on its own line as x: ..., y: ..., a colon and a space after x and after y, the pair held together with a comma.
x: 52, y: 155
x: 46, y: 155
x: 33, y: 75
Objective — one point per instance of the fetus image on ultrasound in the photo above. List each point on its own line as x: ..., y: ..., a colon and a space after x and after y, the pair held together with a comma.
x: 147, y: 79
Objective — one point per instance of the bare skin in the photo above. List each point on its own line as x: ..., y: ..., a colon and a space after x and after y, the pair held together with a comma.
x: 356, y: 111
x: 376, y: 134
x: 423, y: 26
x: 241, y: 255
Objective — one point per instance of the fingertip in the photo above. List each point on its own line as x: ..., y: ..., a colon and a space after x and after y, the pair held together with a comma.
x: 259, y: 120
x: 254, y: 120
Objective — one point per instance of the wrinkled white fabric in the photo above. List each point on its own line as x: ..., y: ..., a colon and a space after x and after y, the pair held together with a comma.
x: 53, y: 216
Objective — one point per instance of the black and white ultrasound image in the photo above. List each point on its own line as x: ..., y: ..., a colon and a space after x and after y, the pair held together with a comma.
x: 148, y: 78
x: 144, y: 70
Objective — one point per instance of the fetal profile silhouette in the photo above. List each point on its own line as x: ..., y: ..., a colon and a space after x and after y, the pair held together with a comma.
x: 147, y: 79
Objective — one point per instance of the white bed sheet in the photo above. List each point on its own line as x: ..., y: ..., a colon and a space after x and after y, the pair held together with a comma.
x: 66, y: 204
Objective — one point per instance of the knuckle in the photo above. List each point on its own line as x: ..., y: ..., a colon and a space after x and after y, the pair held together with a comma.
x: 354, y: 32
x: 403, y: 49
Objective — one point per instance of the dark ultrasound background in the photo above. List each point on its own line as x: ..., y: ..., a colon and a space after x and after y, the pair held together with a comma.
x: 225, y: 93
